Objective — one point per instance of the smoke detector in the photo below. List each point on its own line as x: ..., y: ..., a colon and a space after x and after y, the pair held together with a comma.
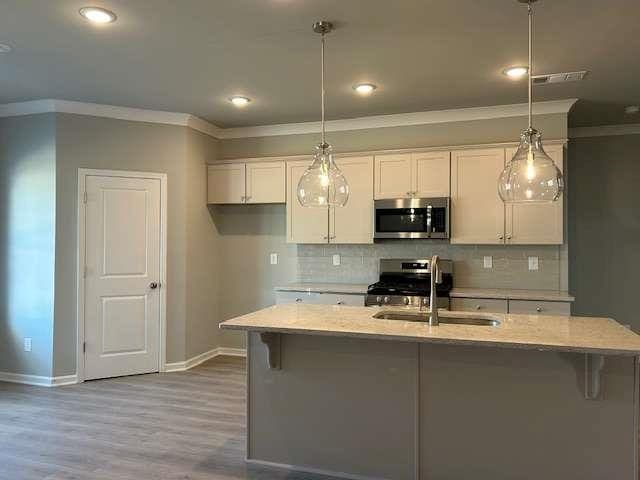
x: 564, y: 77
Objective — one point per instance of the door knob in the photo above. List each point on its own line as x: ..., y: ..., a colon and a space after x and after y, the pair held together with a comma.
x: 153, y: 285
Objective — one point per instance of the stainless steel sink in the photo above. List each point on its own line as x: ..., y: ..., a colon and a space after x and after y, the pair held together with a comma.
x: 445, y: 317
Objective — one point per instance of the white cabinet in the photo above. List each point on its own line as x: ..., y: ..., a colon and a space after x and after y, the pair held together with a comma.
x: 407, y: 175
x: 304, y: 224
x: 537, y: 224
x: 352, y: 223
x: 226, y: 183
x: 477, y: 212
x: 259, y: 182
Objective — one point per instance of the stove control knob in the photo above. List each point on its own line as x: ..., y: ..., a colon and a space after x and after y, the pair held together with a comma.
x: 386, y: 299
x: 406, y: 300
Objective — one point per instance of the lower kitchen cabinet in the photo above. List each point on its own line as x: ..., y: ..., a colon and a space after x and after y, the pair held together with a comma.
x: 320, y: 298
x: 541, y: 308
x: 479, y: 305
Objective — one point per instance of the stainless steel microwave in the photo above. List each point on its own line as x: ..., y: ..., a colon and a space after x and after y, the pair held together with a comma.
x: 412, y: 218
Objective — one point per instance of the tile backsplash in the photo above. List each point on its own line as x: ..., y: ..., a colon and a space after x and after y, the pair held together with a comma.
x: 360, y: 263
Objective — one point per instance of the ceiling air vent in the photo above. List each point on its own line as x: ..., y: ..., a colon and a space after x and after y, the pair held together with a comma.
x: 559, y: 77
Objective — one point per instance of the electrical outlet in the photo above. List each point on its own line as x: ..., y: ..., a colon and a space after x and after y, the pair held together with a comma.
x: 27, y: 344
x: 533, y: 263
x: 336, y: 259
x: 488, y: 261
x: 273, y: 258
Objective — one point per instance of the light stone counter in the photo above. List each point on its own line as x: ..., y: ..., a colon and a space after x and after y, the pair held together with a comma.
x: 539, y: 332
x: 460, y: 292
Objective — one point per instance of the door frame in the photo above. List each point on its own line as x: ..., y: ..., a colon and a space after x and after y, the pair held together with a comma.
x: 83, y: 173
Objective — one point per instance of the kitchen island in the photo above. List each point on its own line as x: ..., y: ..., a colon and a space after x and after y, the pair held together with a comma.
x: 333, y: 390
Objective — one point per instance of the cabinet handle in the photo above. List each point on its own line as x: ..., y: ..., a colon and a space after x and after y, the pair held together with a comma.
x: 298, y: 300
x: 247, y: 198
x: 340, y: 302
x: 243, y: 199
x: 326, y: 237
x: 508, y: 237
x: 478, y: 307
x: 539, y: 309
x: 333, y: 237
x: 500, y: 236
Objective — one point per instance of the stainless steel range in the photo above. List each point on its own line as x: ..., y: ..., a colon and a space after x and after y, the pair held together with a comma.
x: 406, y: 282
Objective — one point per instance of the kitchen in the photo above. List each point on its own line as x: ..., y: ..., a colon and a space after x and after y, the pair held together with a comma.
x: 270, y: 316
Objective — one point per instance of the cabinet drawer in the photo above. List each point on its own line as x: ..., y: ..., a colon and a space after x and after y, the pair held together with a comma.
x: 542, y: 308
x: 479, y: 305
x: 341, y: 299
x: 297, y: 297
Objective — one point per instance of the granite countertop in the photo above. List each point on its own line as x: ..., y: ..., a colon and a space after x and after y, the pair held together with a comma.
x: 534, y: 332
x: 496, y: 293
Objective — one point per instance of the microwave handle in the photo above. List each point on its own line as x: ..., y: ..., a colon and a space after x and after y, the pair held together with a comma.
x: 429, y: 223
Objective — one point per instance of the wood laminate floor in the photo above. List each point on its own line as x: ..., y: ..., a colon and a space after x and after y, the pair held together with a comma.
x: 176, y: 426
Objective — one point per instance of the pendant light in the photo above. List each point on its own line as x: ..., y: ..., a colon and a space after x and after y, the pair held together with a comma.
x: 323, y: 184
x: 531, y: 176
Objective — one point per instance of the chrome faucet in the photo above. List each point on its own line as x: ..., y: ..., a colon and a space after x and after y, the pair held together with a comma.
x: 436, y: 277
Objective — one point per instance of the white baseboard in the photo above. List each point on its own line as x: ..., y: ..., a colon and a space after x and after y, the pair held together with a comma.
x: 38, y: 380
x: 203, y: 357
x: 315, y: 471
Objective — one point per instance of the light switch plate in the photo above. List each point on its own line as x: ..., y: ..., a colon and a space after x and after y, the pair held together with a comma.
x: 533, y: 263
x: 273, y: 258
x: 336, y: 259
x: 488, y: 261
x: 27, y: 344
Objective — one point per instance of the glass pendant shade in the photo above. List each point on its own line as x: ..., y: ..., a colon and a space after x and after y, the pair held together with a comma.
x: 531, y: 176
x: 323, y: 184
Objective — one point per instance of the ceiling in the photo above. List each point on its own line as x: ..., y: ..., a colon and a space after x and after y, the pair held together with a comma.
x: 191, y: 55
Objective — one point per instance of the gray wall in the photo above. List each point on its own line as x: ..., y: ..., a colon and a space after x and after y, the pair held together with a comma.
x: 454, y: 133
x: 27, y: 242
x: 92, y: 142
x: 604, y: 226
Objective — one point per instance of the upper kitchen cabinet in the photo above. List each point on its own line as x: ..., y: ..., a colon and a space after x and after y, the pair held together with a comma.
x: 254, y: 182
x: 352, y: 223
x: 304, y: 224
x: 226, y: 183
x: 408, y: 175
x: 477, y: 212
x: 540, y: 223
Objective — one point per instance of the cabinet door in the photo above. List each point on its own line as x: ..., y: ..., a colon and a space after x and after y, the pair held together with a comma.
x: 393, y: 176
x: 531, y: 307
x: 537, y: 223
x: 266, y: 182
x: 353, y: 223
x: 304, y: 224
x: 477, y: 212
x: 478, y: 305
x: 225, y: 183
x: 432, y: 174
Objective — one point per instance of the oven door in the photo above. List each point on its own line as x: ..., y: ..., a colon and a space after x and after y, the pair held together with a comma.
x: 412, y: 218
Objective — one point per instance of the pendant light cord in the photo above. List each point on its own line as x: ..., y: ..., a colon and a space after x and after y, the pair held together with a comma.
x: 530, y: 14
x: 323, y: 94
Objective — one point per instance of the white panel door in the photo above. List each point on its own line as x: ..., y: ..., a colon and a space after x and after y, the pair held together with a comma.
x: 477, y: 212
x: 304, y: 224
x: 432, y: 174
x: 122, y: 257
x: 353, y: 223
x: 226, y: 183
x: 537, y: 223
x: 265, y: 182
x: 393, y: 176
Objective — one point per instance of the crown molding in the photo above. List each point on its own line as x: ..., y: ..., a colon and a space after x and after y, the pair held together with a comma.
x: 605, y: 130
x: 403, y: 119
x: 187, y: 120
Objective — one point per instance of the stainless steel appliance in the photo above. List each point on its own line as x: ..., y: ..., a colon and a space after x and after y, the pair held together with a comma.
x: 406, y: 282
x: 412, y: 218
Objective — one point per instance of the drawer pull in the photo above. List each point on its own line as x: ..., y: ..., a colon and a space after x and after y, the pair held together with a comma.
x: 539, y: 309
x: 478, y: 307
x: 298, y: 300
x: 340, y: 302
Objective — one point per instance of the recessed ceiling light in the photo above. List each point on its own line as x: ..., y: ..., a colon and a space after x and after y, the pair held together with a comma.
x: 98, y: 15
x: 365, y: 88
x: 4, y: 48
x: 631, y: 109
x: 240, y: 101
x: 515, y: 72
